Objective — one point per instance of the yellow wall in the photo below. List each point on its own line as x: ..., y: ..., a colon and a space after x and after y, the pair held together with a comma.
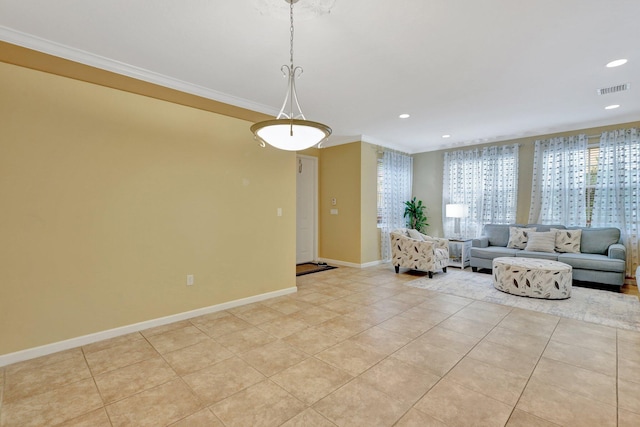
x: 109, y: 199
x: 340, y: 179
x: 348, y: 173
x: 428, y: 170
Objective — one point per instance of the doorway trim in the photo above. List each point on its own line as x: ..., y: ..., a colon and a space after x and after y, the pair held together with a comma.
x: 315, y: 203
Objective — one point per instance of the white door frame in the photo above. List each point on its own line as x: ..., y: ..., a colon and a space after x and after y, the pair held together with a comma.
x: 315, y: 203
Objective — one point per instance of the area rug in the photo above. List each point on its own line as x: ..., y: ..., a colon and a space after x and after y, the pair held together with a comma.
x: 591, y: 305
x: 310, y: 267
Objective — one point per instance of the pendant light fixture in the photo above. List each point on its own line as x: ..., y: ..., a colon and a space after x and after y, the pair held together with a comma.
x: 290, y: 130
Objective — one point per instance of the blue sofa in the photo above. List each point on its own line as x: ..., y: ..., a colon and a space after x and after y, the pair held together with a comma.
x: 601, y: 259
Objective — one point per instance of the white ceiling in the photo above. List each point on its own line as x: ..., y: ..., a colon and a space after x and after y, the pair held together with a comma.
x: 480, y: 70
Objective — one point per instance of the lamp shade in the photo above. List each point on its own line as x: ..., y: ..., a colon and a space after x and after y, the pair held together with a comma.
x: 455, y: 211
x: 292, y: 135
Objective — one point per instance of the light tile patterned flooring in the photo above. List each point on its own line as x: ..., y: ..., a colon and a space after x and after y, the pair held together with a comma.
x: 351, y: 348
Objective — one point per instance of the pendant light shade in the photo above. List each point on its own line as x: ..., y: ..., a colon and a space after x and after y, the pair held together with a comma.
x: 291, y: 134
x: 290, y: 130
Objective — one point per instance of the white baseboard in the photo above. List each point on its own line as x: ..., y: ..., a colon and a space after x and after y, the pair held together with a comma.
x: 31, y: 353
x: 349, y: 264
x: 371, y: 264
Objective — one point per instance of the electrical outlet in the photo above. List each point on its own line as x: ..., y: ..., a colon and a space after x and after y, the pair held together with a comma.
x: 190, y: 279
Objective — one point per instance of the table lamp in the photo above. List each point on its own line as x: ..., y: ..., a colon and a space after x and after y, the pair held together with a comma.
x: 456, y: 211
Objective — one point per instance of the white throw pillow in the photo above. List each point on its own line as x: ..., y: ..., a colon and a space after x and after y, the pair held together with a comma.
x: 568, y: 241
x: 542, y: 241
x: 518, y: 237
x: 415, y: 234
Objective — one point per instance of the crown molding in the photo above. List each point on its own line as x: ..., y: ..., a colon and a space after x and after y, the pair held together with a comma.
x: 386, y: 144
x: 49, y: 47
x: 335, y: 140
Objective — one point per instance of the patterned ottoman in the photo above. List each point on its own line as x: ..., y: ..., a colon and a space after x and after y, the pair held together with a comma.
x: 532, y: 277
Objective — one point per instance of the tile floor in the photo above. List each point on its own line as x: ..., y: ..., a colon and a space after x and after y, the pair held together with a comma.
x: 351, y: 348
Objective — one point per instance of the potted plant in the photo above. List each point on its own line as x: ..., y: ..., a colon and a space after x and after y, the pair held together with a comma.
x: 414, y: 212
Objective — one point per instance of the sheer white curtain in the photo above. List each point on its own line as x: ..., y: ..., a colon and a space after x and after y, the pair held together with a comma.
x: 617, y: 194
x: 559, y: 184
x: 397, y: 176
x: 486, y: 181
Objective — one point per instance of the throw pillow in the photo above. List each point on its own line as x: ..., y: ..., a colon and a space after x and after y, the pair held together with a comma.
x: 518, y: 237
x: 568, y: 240
x: 541, y: 241
x: 415, y: 234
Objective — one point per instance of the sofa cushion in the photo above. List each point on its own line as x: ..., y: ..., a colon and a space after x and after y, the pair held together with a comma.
x: 592, y: 262
x: 492, y: 252
x: 617, y: 251
x: 498, y: 234
x: 597, y: 240
x: 546, y: 227
x: 415, y: 234
x: 540, y: 255
x: 518, y: 237
x: 568, y: 241
x: 541, y: 241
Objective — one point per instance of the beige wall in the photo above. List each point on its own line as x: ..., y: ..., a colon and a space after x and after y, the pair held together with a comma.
x: 370, y: 235
x: 109, y: 199
x: 427, y: 186
x: 428, y: 169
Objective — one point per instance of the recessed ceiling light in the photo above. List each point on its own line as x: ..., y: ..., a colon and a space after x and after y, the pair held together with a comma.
x: 611, y: 107
x: 404, y: 116
x: 446, y: 136
x: 616, y: 63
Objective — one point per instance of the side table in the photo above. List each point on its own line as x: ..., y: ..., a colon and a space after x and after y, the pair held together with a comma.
x: 459, y: 253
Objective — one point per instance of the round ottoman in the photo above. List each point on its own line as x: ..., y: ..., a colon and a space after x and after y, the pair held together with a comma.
x: 532, y: 277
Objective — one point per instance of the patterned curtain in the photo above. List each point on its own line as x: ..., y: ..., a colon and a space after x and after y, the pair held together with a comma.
x: 397, y: 176
x: 486, y: 181
x: 617, y: 194
x: 559, y: 184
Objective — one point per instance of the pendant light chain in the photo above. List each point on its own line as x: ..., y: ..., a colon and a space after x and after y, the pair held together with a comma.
x: 292, y: 73
x: 290, y: 130
x: 291, y: 30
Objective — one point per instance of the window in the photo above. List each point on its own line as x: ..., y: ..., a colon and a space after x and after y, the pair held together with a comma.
x: 593, y: 152
x: 566, y: 181
x: 486, y: 181
x: 395, y: 174
x: 617, y: 190
x: 558, y: 189
x: 380, y: 190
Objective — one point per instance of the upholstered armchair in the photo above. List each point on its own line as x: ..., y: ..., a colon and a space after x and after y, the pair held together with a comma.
x: 419, y: 252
